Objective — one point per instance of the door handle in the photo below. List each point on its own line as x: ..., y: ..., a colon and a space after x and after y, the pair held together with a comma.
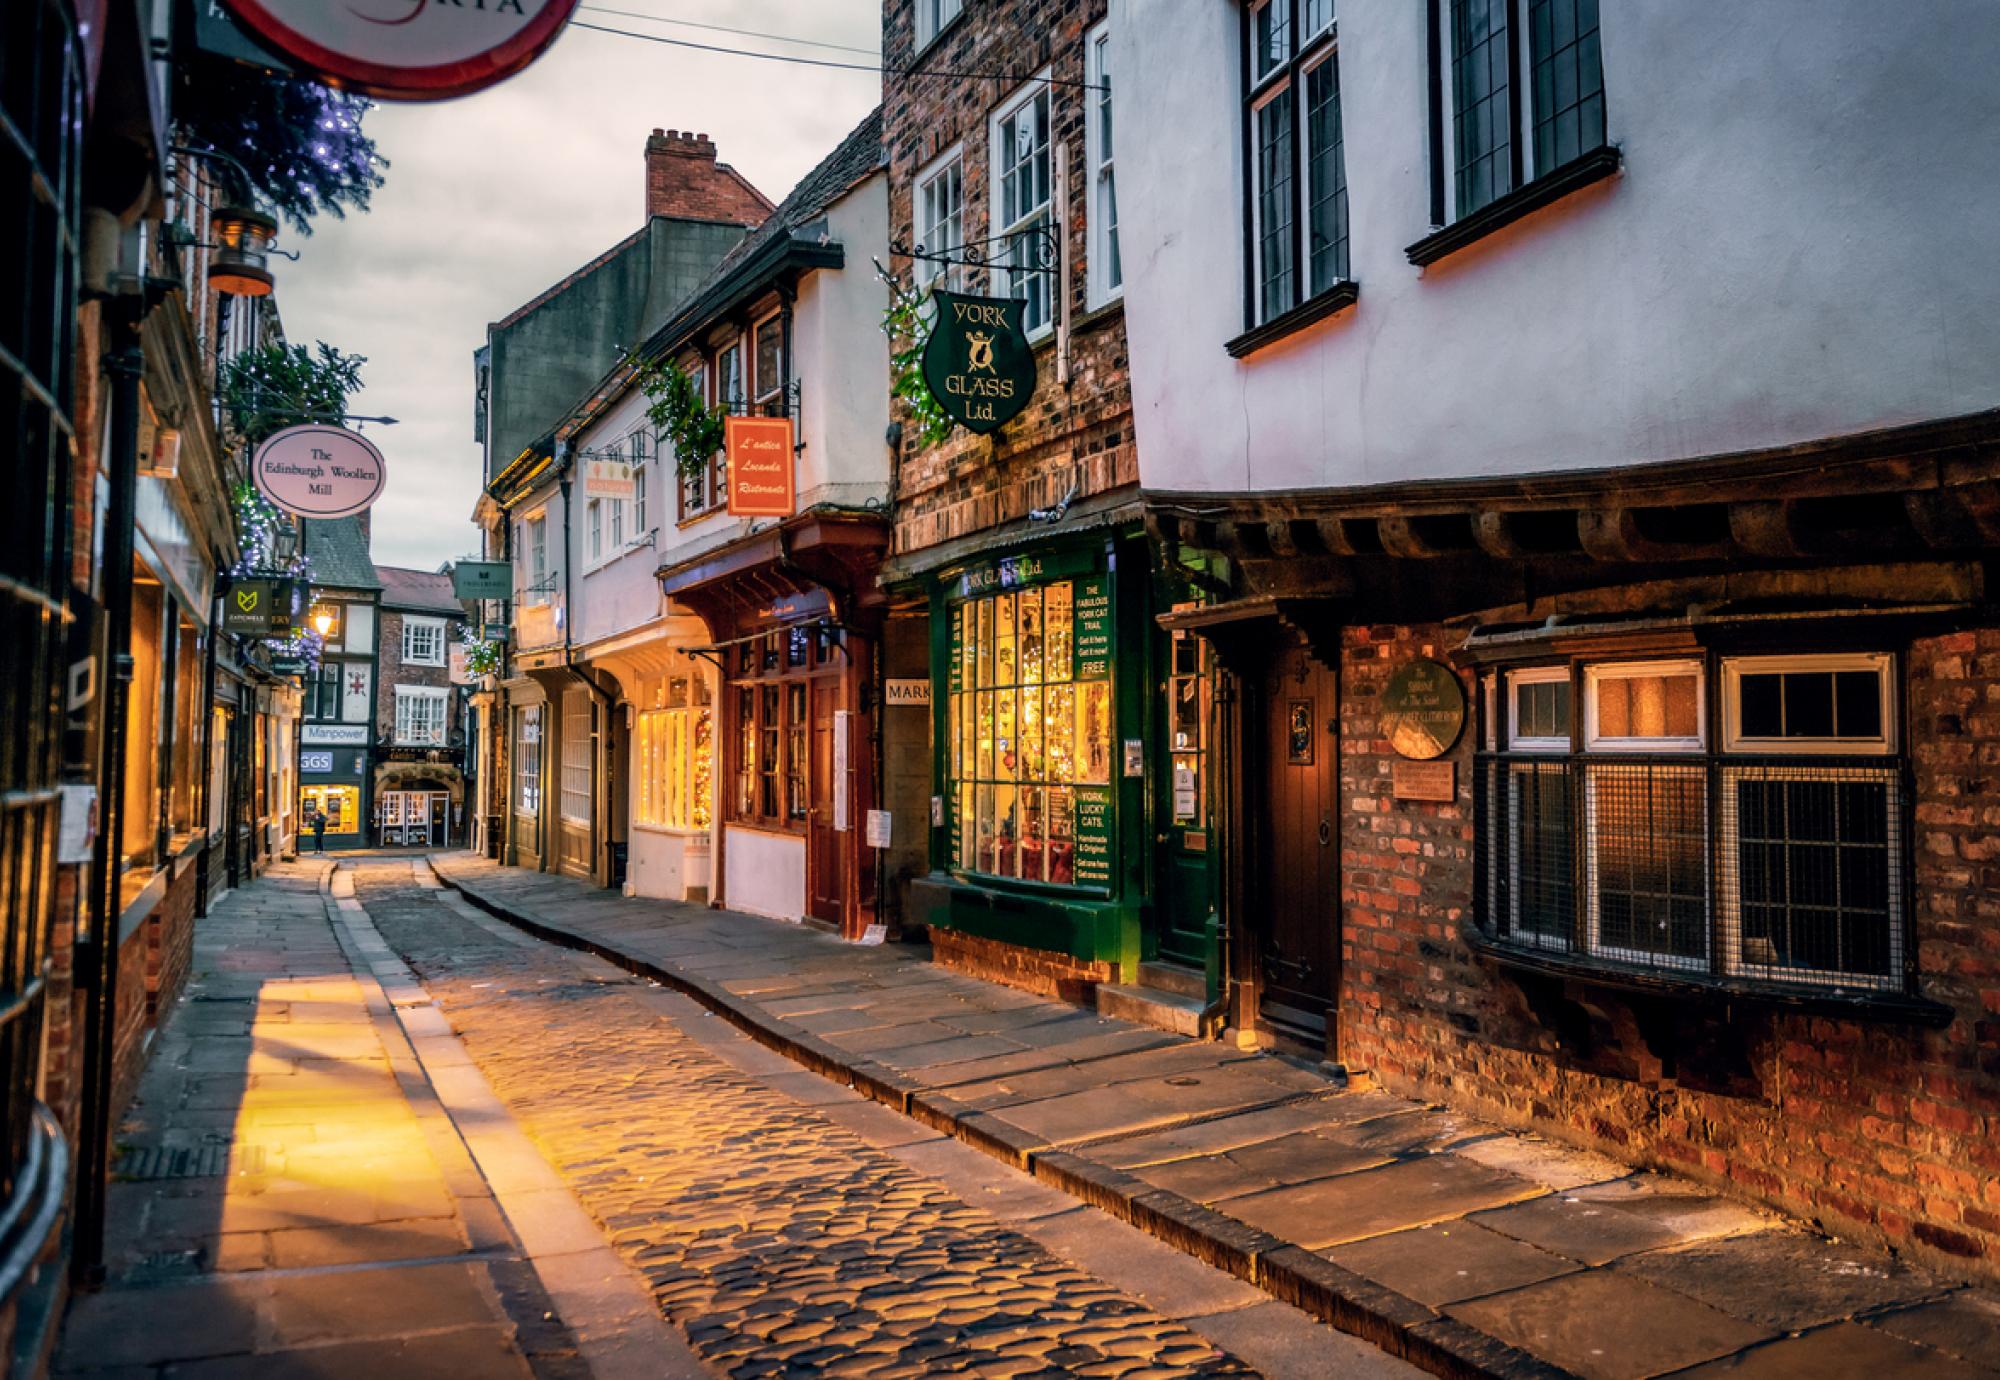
x: 1325, y: 833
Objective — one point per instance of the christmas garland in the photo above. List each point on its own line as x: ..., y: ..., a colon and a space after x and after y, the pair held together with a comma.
x: 903, y: 321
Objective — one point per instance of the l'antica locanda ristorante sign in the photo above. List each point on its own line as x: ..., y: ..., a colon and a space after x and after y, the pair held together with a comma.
x: 978, y: 363
x: 407, y: 50
x: 319, y: 471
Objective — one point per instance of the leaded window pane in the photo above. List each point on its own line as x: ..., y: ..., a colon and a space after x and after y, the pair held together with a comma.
x: 1568, y: 80
x: 1482, y: 109
x: 1326, y: 177
x: 1274, y: 206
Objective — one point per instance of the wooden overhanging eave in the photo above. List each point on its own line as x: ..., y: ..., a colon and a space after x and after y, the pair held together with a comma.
x: 834, y: 551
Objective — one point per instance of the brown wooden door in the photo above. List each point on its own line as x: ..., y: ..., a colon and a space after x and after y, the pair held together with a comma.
x: 825, y: 845
x: 1297, y: 915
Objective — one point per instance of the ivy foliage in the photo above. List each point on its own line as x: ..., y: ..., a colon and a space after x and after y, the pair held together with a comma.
x: 301, y: 143
x: 679, y: 414
x: 907, y: 325
x: 279, y: 385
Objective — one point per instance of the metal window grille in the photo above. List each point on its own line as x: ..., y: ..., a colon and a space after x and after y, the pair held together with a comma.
x: 1786, y: 871
x: 1568, y: 80
x: 1482, y: 102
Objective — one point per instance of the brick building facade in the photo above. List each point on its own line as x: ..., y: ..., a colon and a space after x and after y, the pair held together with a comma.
x: 420, y: 768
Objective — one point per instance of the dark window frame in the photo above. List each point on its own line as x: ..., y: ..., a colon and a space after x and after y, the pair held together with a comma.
x: 1303, y: 303
x: 770, y: 768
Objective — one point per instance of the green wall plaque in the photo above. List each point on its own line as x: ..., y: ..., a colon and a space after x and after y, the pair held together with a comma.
x: 1093, y: 629
x: 978, y: 363
x: 1093, y: 838
x: 1423, y: 710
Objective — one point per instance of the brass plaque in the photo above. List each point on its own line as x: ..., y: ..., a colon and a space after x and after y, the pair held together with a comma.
x: 1423, y: 710
x: 1424, y: 781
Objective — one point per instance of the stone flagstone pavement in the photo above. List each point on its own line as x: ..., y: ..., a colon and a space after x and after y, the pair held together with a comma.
x: 1464, y: 1247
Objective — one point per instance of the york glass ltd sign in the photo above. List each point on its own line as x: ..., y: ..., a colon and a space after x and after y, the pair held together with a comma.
x: 408, y: 50
x: 319, y: 471
x: 977, y: 363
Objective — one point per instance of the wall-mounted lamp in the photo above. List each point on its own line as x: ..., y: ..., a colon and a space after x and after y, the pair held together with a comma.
x: 323, y: 619
x: 242, y: 249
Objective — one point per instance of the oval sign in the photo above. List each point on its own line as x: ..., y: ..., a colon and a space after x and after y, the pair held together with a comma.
x: 319, y: 471
x: 407, y: 50
x: 1423, y: 710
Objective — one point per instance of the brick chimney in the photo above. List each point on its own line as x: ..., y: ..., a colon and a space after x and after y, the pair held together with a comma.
x: 684, y: 180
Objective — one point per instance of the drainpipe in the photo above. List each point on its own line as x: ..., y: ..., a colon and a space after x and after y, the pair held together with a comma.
x: 202, y: 880
x: 97, y: 959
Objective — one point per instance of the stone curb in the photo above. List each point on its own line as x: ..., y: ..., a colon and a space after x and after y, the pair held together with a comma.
x: 1344, y: 1300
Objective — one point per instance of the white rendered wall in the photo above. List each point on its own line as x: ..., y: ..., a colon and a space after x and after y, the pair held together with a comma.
x: 1800, y: 245
x: 841, y: 358
x: 764, y: 874
x: 621, y: 592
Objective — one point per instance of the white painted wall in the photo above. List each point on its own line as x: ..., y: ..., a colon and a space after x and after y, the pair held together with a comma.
x: 621, y: 591
x: 764, y: 874
x: 842, y: 359
x: 1800, y: 245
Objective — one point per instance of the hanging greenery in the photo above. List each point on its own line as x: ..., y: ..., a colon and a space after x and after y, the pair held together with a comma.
x: 679, y: 414
x: 482, y: 658
x: 258, y: 523
x: 904, y: 322
x: 306, y: 644
x: 276, y: 386
x: 300, y: 142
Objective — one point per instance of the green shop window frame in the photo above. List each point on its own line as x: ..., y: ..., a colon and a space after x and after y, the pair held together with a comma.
x: 1040, y: 673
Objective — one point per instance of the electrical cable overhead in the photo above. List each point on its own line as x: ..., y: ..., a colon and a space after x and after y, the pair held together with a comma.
x: 799, y: 61
x: 725, y: 29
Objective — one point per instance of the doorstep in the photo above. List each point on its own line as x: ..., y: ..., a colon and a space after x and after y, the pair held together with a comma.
x: 1462, y: 1247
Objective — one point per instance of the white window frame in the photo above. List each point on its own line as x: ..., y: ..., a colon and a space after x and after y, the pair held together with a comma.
x: 1038, y: 287
x: 923, y: 209
x: 755, y: 336
x: 1534, y: 675
x: 934, y: 17
x: 535, y: 541
x: 435, y: 628
x: 640, y: 459
x: 410, y: 696
x: 723, y: 397
x: 1881, y: 664
x: 1262, y: 100
x: 529, y: 729
x: 1100, y: 119
x: 593, y: 523
x: 1596, y: 674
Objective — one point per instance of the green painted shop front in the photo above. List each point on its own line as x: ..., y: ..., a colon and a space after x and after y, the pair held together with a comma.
x: 1052, y: 776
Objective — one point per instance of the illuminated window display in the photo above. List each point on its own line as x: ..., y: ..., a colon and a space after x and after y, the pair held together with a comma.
x: 676, y: 757
x: 341, y: 805
x: 1031, y: 725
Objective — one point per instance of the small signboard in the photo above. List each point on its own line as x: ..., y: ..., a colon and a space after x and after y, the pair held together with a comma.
x: 482, y: 580
x: 1424, y: 781
x: 457, y: 671
x: 335, y: 735
x: 608, y: 479
x: 260, y: 608
x: 842, y: 772
x: 1135, y: 757
x: 1423, y: 710
x: 320, y: 762
x: 319, y: 471
x: 406, y: 50
x: 1093, y: 838
x: 897, y: 691
x: 760, y: 466
x: 978, y: 363
x: 1093, y: 629
x: 76, y: 830
x: 878, y: 828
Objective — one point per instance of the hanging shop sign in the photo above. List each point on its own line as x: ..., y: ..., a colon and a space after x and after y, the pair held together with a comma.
x: 978, y: 363
x: 608, y: 479
x: 261, y: 608
x: 406, y: 50
x: 320, y: 471
x: 482, y: 580
x: 1423, y: 710
x: 760, y: 466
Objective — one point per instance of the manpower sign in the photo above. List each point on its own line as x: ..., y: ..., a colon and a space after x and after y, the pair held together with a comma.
x: 411, y: 50
x: 319, y: 471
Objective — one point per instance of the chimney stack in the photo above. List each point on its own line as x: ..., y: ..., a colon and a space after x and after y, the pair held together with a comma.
x: 684, y: 180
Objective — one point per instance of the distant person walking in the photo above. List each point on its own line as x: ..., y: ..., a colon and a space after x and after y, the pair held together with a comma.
x: 319, y: 831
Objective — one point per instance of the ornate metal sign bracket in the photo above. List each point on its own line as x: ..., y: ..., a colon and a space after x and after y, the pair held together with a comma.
x: 1043, y: 242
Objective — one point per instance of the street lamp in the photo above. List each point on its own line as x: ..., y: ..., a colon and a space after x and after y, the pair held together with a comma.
x: 242, y: 248
x: 323, y: 620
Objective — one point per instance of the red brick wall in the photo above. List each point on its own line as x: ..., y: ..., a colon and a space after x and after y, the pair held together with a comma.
x: 1032, y: 970
x: 128, y: 1042
x: 683, y: 179
x: 170, y: 945
x: 1877, y: 1131
x: 1081, y: 434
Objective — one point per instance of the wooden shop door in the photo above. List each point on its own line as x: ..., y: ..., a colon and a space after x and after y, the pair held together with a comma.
x: 825, y: 845
x: 1296, y: 913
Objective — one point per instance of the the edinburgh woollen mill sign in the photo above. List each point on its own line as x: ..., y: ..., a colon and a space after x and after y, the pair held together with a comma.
x: 978, y: 363
x: 407, y: 50
x: 319, y: 471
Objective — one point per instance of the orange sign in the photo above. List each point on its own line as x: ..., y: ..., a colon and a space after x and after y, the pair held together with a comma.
x: 760, y: 466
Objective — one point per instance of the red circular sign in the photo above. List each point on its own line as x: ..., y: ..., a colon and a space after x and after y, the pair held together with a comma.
x: 319, y: 471
x: 407, y: 50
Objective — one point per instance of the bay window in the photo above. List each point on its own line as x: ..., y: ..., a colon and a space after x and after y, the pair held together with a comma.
x: 1760, y: 837
x: 423, y: 641
x: 1297, y: 158
x: 676, y: 755
x: 421, y: 714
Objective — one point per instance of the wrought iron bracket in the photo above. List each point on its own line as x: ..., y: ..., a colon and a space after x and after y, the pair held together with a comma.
x: 1044, y: 252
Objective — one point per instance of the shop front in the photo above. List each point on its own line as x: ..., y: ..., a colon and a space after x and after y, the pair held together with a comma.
x: 419, y: 798
x: 1043, y: 723
x: 333, y: 781
x: 794, y: 616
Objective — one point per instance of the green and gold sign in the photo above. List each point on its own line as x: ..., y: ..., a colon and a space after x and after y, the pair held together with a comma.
x: 260, y: 608
x: 1423, y: 710
x: 977, y: 363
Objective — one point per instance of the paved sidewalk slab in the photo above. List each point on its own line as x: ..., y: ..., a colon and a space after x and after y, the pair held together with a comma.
x: 1462, y: 1246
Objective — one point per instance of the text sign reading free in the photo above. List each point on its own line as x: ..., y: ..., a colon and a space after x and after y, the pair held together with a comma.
x: 320, y: 471
x: 978, y: 363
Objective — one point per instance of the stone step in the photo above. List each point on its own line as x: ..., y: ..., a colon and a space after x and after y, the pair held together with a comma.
x: 1149, y: 1006
x: 1172, y: 977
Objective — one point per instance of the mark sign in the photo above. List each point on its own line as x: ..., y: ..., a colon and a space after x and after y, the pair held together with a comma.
x: 406, y: 50
x: 760, y: 466
x: 977, y: 363
x: 319, y: 471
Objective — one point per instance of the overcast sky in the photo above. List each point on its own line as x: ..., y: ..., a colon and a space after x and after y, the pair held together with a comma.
x: 492, y: 198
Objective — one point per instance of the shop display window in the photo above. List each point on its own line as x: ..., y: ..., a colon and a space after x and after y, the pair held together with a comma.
x: 341, y: 804
x: 675, y: 743
x: 1027, y: 730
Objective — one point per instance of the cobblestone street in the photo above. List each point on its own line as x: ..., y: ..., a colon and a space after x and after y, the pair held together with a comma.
x: 788, y: 1226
